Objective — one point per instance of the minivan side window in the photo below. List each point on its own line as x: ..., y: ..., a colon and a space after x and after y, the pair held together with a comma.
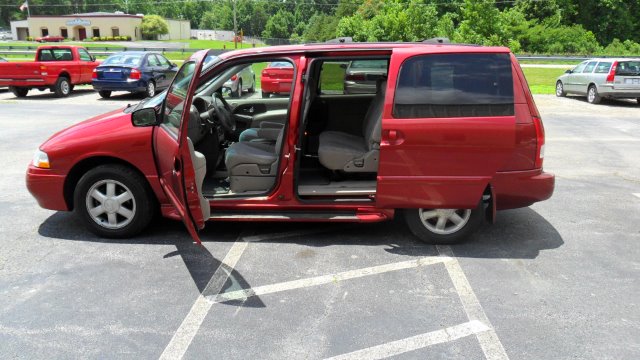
x: 590, y: 67
x: 454, y: 85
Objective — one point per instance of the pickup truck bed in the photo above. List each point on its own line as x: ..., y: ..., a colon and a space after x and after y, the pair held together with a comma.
x: 57, y: 68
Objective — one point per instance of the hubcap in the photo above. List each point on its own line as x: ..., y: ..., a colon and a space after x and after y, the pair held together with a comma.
x: 64, y: 86
x: 111, y: 204
x: 444, y: 221
x: 151, y: 89
x: 559, y: 89
x: 592, y: 94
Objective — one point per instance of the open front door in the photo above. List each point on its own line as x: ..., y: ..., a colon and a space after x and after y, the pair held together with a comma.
x: 172, y: 151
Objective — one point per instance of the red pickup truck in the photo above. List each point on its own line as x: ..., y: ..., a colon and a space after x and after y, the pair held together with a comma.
x: 57, y: 68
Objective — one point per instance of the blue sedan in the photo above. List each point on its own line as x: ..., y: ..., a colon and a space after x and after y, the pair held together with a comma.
x: 135, y: 72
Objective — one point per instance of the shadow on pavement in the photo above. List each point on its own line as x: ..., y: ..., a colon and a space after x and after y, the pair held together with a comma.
x: 627, y: 103
x: 35, y: 94
x: 518, y: 234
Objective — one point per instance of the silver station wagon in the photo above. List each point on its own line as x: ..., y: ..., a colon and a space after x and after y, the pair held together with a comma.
x: 602, y: 78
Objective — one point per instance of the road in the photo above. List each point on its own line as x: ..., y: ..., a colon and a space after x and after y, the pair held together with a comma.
x: 556, y: 280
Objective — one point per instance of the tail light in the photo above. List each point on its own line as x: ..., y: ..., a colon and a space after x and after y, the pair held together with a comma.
x: 355, y: 77
x: 94, y: 75
x: 265, y: 73
x: 43, y: 70
x: 612, y: 72
x: 135, y: 74
x: 234, y: 78
x: 539, y: 142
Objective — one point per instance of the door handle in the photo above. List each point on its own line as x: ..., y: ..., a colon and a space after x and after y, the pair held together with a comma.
x: 394, y: 137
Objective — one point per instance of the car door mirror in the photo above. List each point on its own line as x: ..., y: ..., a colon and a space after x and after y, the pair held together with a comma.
x: 144, y: 117
x: 174, y: 65
x: 93, y: 58
x: 568, y: 71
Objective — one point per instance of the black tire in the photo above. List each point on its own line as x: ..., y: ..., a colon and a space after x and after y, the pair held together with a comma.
x: 638, y: 100
x: 238, y: 92
x: 252, y: 89
x: 422, y: 232
x: 62, y: 87
x: 72, y: 87
x: 19, y: 91
x: 560, y: 89
x: 105, y: 94
x: 150, y: 90
x: 141, y: 205
x: 266, y: 95
x: 593, y: 98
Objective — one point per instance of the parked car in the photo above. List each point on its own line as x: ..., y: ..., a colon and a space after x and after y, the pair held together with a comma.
x: 411, y: 148
x: 6, y: 36
x: 57, y: 68
x: 135, y: 72
x: 3, y: 59
x: 361, y: 76
x: 49, y: 38
x: 602, y: 78
x: 276, y: 78
x: 245, y: 79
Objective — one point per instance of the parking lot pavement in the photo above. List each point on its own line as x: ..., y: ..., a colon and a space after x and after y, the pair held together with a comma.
x: 556, y: 280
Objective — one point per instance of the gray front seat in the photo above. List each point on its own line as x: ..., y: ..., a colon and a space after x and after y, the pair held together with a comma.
x: 253, y: 166
x: 351, y: 153
x: 200, y: 167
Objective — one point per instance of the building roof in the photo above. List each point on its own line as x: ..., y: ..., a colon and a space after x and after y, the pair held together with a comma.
x: 90, y: 15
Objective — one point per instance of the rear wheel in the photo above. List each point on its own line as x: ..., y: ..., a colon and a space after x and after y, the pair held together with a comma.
x: 150, y: 91
x: 105, y: 94
x: 592, y: 95
x: 19, y: 91
x: 443, y: 226
x: 638, y: 100
x: 238, y: 91
x: 113, y: 201
x: 560, y: 89
x: 62, y: 87
x: 252, y: 89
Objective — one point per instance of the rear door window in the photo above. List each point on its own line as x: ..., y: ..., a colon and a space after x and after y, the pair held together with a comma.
x: 454, y: 85
x: 590, y: 66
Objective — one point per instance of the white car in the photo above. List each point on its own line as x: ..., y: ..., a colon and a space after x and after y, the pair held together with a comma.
x: 6, y: 36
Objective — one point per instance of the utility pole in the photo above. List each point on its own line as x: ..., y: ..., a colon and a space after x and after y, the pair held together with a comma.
x: 126, y: 6
x: 235, y: 25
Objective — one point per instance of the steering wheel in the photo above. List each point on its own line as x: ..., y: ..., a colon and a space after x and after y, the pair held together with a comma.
x: 221, y: 109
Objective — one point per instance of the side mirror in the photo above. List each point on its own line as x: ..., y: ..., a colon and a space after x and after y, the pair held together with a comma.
x: 174, y: 65
x: 144, y: 117
x: 568, y: 71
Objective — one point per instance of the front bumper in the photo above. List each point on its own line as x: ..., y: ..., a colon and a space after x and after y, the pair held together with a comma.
x: 516, y: 189
x: 47, y: 188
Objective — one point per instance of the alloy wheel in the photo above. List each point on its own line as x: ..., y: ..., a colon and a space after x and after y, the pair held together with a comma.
x: 444, y: 221
x: 111, y: 204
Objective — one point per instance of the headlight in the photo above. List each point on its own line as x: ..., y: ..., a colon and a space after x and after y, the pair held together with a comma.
x: 40, y: 160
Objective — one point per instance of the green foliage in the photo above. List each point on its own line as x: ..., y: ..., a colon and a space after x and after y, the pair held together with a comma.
x: 280, y: 26
x: 620, y: 48
x: 153, y: 25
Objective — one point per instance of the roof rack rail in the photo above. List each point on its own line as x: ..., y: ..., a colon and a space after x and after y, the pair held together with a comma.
x: 437, y: 40
x: 340, y: 40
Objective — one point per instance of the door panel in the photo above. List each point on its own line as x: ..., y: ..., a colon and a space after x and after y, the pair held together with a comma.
x: 251, y: 112
x: 173, y: 158
x: 446, y: 161
x: 345, y: 113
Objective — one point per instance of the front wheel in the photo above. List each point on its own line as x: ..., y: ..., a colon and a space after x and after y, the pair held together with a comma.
x: 443, y: 226
x: 62, y: 87
x: 238, y: 92
x: 113, y: 201
x: 560, y: 89
x: 592, y: 95
x: 265, y: 95
x: 252, y: 89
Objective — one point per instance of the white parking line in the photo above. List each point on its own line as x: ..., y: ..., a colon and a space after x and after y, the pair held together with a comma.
x: 326, y: 279
x: 636, y: 194
x: 415, y: 342
x: 191, y: 324
x: 489, y: 342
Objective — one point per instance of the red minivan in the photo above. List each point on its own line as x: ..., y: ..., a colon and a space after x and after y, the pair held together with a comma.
x: 449, y: 135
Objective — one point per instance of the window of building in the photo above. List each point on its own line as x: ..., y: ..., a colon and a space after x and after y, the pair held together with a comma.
x: 115, y: 31
x: 96, y: 32
x: 454, y: 85
x: 64, y: 33
x: 44, y: 31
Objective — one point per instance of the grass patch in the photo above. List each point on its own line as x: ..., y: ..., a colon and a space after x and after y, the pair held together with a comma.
x: 542, y: 80
x: 213, y: 44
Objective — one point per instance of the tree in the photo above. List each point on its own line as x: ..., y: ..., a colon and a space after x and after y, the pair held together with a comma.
x: 152, y: 26
x: 279, y: 26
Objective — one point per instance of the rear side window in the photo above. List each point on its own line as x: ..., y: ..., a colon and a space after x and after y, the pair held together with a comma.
x: 628, y: 68
x: 454, y: 85
x: 55, y: 55
x: 590, y: 67
x: 603, y: 67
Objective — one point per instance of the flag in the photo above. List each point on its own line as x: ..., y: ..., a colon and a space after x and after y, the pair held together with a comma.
x: 24, y: 5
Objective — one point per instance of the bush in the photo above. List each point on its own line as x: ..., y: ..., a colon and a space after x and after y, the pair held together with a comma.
x: 619, y: 48
x: 29, y: 38
x: 103, y: 38
x: 109, y: 38
x: 88, y: 40
x: 95, y: 38
x: 128, y: 38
